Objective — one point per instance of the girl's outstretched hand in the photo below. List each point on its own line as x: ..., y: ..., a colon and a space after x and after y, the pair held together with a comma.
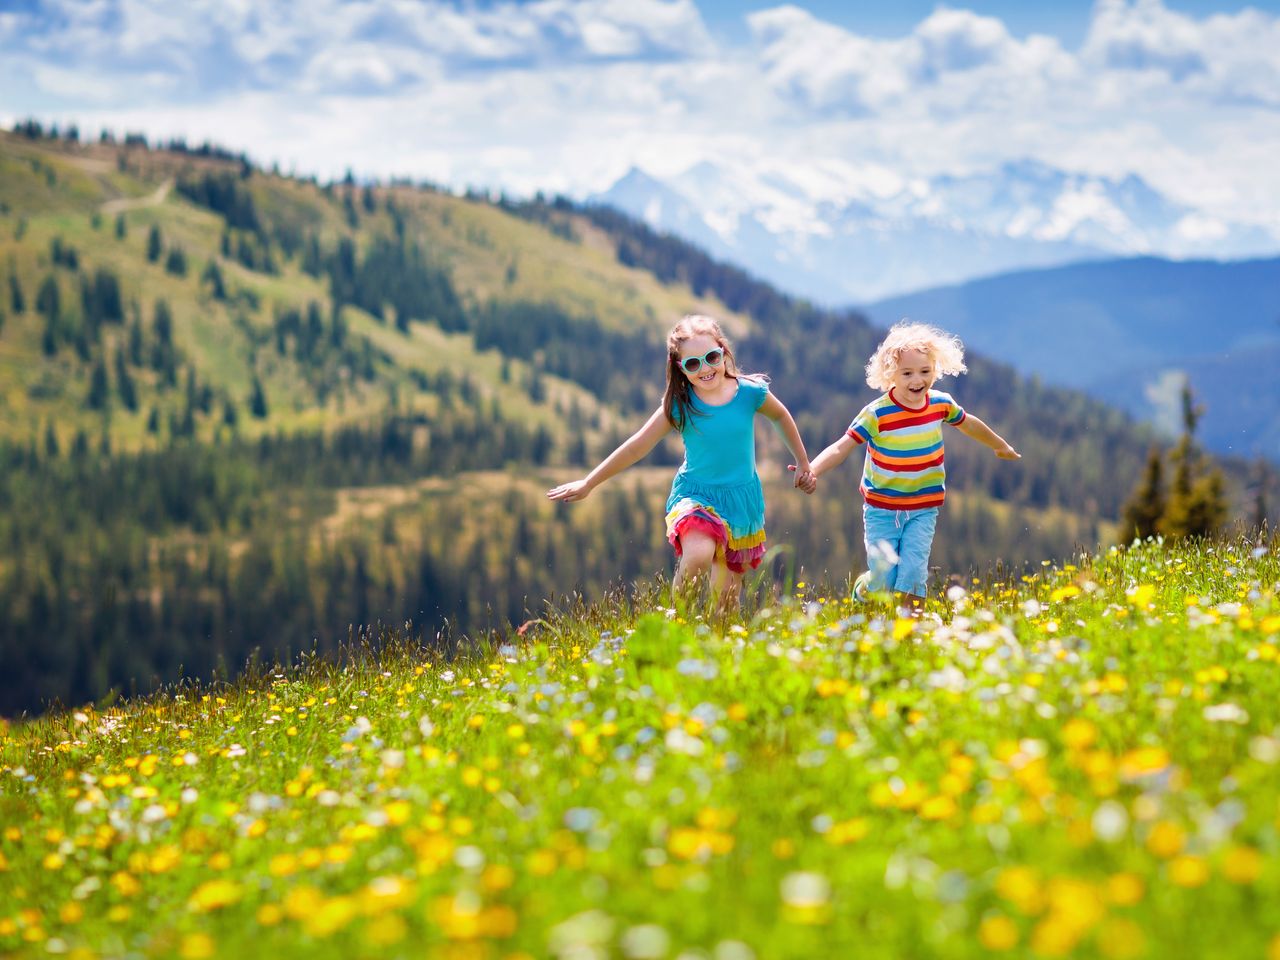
x: 1008, y: 453
x: 570, y: 492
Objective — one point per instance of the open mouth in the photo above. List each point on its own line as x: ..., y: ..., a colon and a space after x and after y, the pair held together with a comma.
x: 708, y: 377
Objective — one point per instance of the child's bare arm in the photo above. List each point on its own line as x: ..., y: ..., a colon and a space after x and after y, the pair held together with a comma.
x: 634, y: 448
x: 833, y: 455
x: 776, y: 411
x: 971, y: 426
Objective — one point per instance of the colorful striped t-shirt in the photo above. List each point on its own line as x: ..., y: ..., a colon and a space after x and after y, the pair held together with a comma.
x: 903, y: 469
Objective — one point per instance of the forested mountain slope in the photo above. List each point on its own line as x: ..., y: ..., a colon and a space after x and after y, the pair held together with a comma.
x: 245, y: 412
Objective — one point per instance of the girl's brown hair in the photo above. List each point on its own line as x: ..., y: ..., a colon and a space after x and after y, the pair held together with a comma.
x: 676, y: 401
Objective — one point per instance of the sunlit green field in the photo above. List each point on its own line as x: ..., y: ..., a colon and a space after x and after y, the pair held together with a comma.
x: 1083, y: 763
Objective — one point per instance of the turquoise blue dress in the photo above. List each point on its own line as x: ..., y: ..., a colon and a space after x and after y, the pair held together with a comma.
x: 717, y: 490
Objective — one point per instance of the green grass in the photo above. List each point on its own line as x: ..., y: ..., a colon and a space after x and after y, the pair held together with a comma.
x: 1083, y: 762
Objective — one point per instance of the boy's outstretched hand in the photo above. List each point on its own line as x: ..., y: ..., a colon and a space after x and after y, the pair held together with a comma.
x: 804, y: 479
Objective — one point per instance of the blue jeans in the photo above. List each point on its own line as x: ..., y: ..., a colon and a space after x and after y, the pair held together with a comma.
x: 898, y: 544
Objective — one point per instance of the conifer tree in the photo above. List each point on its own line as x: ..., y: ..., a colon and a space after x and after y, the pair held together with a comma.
x: 176, y: 262
x: 124, y: 382
x: 17, y: 302
x: 99, y: 386
x: 154, y: 244
x: 1258, y: 521
x: 1197, y: 504
x: 258, y: 399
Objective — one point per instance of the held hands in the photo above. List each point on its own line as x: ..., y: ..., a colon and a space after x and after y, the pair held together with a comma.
x: 570, y: 492
x: 804, y: 479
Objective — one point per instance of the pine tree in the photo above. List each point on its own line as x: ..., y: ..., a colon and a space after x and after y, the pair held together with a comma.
x: 1197, y: 504
x: 122, y: 229
x: 213, y: 276
x: 1258, y: 522
x: 176, y: 262
x: 258, y: 399
x: 99, y: 386
x: 154, y: 244
x: 124, y: 382
x: 17, y: 302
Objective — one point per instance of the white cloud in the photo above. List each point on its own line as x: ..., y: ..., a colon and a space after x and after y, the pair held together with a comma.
x: 568, y: 94
x: 953, y: 58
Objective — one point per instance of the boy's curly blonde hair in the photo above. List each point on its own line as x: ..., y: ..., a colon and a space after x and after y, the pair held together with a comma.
x: 945, y: 349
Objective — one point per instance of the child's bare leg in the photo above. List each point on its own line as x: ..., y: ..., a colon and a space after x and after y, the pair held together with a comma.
x: 727, y: 586
x: 697, y: 557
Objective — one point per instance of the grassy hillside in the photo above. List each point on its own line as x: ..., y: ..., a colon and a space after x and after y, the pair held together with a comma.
x: 80, y: 196
x: 1081, y: 762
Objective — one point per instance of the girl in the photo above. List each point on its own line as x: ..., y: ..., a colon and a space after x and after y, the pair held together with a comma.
x: 903, y: 480
x: 715, y: 513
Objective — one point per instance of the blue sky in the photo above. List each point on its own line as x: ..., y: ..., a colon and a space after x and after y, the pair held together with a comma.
x: 1068, y: 20
x: 567, y: 95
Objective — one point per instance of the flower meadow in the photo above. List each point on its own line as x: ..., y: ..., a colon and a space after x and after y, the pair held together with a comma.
x: 1081, y: 762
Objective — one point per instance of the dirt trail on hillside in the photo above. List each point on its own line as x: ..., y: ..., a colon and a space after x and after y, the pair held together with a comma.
x: 135, y: 203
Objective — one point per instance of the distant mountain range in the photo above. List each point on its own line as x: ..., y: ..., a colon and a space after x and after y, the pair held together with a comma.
x: 843, y: 233
x: 1130, y: 331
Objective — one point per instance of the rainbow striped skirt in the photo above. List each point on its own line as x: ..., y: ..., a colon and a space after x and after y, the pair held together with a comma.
x: 733, y: 516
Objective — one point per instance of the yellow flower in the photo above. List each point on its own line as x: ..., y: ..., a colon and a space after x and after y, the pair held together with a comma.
x: 1188, y: 871
x: 302, y: 901
x: 998, y: 932
x: 1075, y: 902
x: 397, y: 812
x: 937, y: 808
x: 165, y: 859
x: 1021, y: 887
x: 848, y: 831
x: 282, y: 865
x: 331, y: 916
x: 497, y: 877
x: 214, y: 895
x: 541, y: 863
x: 1054, y: 936
x: 1142, y: 595
x: 196, y: 946
x: 1079, y: 733
x: 386, y: 930
x: 1121, y: 939
x: 1166, y: 839
x: 1125, y: 889
x: 1242, y: 865
x: 988, y: 811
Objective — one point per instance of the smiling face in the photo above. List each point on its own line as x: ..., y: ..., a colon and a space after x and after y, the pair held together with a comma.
x: 913, y: 377
x: 707, y: 379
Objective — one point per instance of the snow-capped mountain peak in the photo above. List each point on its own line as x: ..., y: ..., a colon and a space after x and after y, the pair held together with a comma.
x: 838, y: 231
